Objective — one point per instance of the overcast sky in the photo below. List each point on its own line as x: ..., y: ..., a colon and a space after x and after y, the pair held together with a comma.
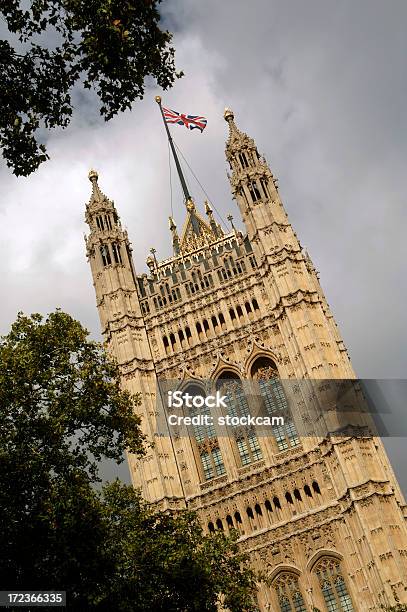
x: 320, y: 85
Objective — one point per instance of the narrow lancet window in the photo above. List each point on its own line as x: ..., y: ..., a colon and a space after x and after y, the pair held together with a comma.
x: 105, y: 254
x: 116, y: 253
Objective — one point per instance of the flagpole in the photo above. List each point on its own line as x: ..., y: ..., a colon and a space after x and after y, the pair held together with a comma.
x: 178, y: 165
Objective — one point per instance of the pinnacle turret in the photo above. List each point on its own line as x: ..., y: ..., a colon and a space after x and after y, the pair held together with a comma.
x: 236, y: 140
x: 97, y: 196
x: 215, y: 227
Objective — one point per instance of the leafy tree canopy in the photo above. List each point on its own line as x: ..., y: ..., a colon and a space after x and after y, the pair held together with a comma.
x: 63, y: 410
x: 110, y: 46
x: 164, y: 562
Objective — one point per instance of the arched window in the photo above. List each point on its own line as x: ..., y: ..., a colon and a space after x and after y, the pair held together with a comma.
x: 333, y: 585
x: 316, y: 488
x: 288, y: 592
x: 105, y: 254
x: 229, y: 522
x: 202, y: 433
x: 243, y: 160
x: 108, y: 222
x: 307, y: 491
x: 247, y: 443
x: 276, y: 503
x: 205, y: 437
x: 265, y: 371
x: 255, y: 304
x: 263, y: 184
x: 117, y: 253
x: 211, y: 527
x: 254, y: 191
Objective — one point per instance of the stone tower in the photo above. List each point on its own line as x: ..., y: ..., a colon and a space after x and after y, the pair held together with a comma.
x: 324, y: 516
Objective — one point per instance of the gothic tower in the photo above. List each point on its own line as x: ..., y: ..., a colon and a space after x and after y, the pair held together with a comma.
x: 323, y: 515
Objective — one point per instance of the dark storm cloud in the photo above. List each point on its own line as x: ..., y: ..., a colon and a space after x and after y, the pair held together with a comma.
x: 322, y: 88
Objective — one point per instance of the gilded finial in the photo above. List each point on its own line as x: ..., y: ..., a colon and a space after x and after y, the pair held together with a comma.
x: 228, y: 114
x: 158, y: 99
x: 93, y: 175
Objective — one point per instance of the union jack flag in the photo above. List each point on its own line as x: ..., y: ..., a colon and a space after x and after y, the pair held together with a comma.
x: 190, y: 121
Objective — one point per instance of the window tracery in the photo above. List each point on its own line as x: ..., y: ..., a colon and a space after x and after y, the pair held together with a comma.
x: 289, y: 594
x: 265, y: 371
x: 247, y: 443
x: 206, y: 442
x: 333, y: 586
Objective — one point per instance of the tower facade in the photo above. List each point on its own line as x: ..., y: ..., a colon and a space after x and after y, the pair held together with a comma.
x: 322, y: 515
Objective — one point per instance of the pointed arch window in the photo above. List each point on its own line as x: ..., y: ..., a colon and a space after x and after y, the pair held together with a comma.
x: 206, y: 443
x: 243, y: 160
x: 265, y: 371
x: 247, y: 443
x: 254, y: 191
x: 116, y: 253
x: 99, y: 223
x: 288, y: 593
x: 105, y: 254
x: 333, y: 585
x: 108, y: 222
x: 264, y: 187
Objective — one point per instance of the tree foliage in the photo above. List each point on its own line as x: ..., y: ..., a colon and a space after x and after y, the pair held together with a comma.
x: 110, y: 46
x: 63, y: 410
x: 164, y: 562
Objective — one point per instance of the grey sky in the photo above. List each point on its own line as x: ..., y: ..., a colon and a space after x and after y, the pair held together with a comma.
x: 321, y: 86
